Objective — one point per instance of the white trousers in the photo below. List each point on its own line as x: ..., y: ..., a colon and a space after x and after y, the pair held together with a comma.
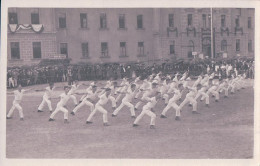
x: 146, y: 111
x: 62, y: 109
x: 204, y: 96
x: 191, y: 100
x: 44, y: 101
x: 213, y: 92
x: 125, y: 103
x: 99, y: 108
x: 16, y: 104
x: 10, y: 82
x: 172, y: 105
x: 113, y: 100
x: 84, y: 102
x: 166, y: 98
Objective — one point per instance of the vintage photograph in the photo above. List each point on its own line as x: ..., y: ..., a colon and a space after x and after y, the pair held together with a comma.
x: 130, y: 83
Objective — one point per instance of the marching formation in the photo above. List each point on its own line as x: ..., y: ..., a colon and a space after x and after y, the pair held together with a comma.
x: 175, y: 91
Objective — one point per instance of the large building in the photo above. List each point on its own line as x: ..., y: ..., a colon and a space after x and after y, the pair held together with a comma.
x: 101, y: 35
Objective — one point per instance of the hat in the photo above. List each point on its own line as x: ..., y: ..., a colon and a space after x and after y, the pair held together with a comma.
x: 155, y: 82
x: 108, y: 89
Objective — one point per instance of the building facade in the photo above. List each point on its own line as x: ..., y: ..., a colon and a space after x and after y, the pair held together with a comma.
x: 105, y: 35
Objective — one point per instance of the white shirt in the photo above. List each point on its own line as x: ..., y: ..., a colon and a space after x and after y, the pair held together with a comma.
x: 48, y: 92
x: 151, y: 104
x: 73, y: 88
x: 103, y: 99
x: 64, y: 99
x: 92, y: 95
x: 176, y: 96
x: 129, y: 95
x: 18, y: 95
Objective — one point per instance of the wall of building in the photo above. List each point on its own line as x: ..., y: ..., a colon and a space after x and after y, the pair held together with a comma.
x: 154, y: 34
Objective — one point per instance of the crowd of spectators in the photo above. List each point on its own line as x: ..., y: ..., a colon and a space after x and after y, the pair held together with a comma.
x: 61, y: 73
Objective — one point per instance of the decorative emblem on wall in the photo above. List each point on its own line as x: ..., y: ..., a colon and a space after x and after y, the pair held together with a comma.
x: 172, y: 29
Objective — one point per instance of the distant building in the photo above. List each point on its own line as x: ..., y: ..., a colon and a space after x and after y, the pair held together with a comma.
x: 127, y: 35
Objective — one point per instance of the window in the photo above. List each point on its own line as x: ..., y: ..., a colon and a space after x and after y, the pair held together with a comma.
x: 104, y: 49
x: 204, y: 20
x: 237, y: 22
x: 223, y: 20
x: 250, y: 46
x: 13, y: 18
x: 172, y: 48
x: 171, y: 20
x: 224, y: 45
x: 209, y: 20
x: 189, y: 19
x: 141, y: 48
x: 140, y: 21
x: 62, y: 20
x: 121, y: 21
x: 83, y: 20
x: 122, y: 48
x: 238, y: 11
x: 15, y: 50
x: 103, y: 21
x: 249, y: 22
x: 35, y: 18
x: 238, y: 45
x: 37, y: 53
x: 191, y: 48
x: 64, y: 49
x: 84, y: 48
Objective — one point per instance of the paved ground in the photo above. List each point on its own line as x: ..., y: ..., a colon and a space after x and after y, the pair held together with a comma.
x: 225, y: 130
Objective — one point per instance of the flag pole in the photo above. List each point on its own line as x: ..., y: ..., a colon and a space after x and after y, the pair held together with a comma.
x: 211, y: 34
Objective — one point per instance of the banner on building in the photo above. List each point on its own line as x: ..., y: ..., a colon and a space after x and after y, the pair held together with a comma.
x: 224, y: 55
x: 37, y: 28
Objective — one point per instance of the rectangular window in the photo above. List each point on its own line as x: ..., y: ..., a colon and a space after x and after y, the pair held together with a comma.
x: 171, y: 20
x: 249, y: 22
x: 83, y: 20
x: 209, y: 20
x: 122, y: 48
x: 13, y: 18
x: 62, y: 20
x: 84, y: 48
x: 121, y: 21
x: 15, y: 50
x: 172, y: 48
x: 141, y: 48
x: 204, y: 20
x: 189, y: 19
x: 140, y: 21
x: 104, y: 49
x: 238, y: 45
x: 223, y: 20
x: 237, y: 22
x: 35, y: 18
x: 250, y: 46
x: 37, y: 53
x: 64, y: 49
x: 103, y: 21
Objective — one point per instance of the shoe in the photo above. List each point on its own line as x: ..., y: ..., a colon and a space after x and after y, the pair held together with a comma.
x: 207, y: 105
x: 225, y: 96
x: 39, y: 111
x: 88, y: 122
x: 66, y: 121
x: 177, y: 118
x: 190, y: 105
x: 163, y: 116
x: 133, y: 117
x: 51, y: 119
x: 212, y: 96
x: 136, y: 109
x: 105, y: 124
x: 8, y: 117
x: 21, y: 119
x: 50, y: 111
x: 152, y: 127
x: 113, y: 108
x: 113, y: 115
x: 135, y: 125
x: 80, y: 102
x: 201, y: 100
x: 195, y: 112
x: 72, y: 113
x: 216, y: 100
x: 76, y: 105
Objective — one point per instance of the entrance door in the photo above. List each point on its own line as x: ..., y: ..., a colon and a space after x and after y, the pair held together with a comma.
x: 206, y: 47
